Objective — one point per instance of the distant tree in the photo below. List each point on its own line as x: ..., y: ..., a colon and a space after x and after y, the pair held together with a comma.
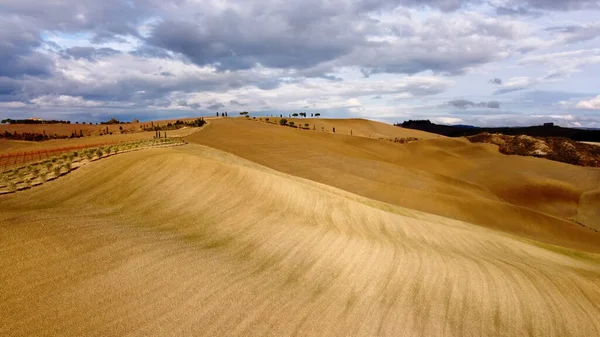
x: 267, y: 119
x: 121, y: 127
x: 280, y: 116
x: 217, y: 114
x: 303, y: 114
x: 317, y: 115
x: 222, y: 114
x: 283, y: 121
x: 333, y: 130
x: 306, y: 125
x: 311, y: 115
x: 225, y: 113
x: 294, y: 115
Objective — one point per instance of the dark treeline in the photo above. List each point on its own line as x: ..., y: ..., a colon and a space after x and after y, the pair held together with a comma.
x: 174, y: 126
x: 534, y: 131
x: 33, y: 121
x: 37, y: 137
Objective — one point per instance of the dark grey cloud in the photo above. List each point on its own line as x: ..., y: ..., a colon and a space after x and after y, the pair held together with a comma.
x: 235, y: 41
x: 147, y: 51
x: 236, y: 103
x: 115, y: 17
x: 103, y: 37
x: 89, y: 53
x: 190, y: 105
x: 215, y: 106
x: 496, y: 81
x: 464, y: 104
x: 377, y: 97
x: 18, y: 56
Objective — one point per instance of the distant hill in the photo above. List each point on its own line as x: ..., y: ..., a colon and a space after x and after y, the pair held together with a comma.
x: 547, y: 130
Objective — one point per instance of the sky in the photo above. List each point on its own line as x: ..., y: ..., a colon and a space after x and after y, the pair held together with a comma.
x: 477, y: 62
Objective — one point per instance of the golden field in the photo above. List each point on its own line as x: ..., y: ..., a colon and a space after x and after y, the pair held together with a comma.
x: 255, y: 229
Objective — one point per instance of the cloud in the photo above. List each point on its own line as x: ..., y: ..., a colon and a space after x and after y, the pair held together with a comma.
x: 239, y: 39
x: 89, y: 53
x: 215, y: 106
x: 464, y: 104
x: 590, y: 104
x: 447, y: 120
x: 561, y: 64
x: 576, y: 33
x: 448, y: 44
x: 19, y: 57
x: 537, y: 7
x: 516, y: 84
x: 64, y: 101
x: 163, y: 58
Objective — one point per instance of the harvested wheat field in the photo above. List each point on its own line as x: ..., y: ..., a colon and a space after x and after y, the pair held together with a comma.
x: 357, y: 126
x: 278, y: 231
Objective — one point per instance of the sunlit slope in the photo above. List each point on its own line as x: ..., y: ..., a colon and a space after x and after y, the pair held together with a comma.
x: 359, y: 127
x: 192, y: 241
x: 531, y: 197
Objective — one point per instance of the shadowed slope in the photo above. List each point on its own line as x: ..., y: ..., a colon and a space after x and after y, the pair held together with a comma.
x: 449, y: 177
x: 192, y: 241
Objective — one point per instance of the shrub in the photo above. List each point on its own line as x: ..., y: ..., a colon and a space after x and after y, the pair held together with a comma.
x: 44, y: 176
x: 292, y: 124
x: 283, y: 121
x: 53, y: 159
x: 11, y: 186
x: 99, y: 153
x: 306, y: 125
x: 89, y: 155
x: 75, y: 154
x: 68, y: 166
x: 57, y: 170
x: 108, y: 150
x: 27, y: 182
x: 267, y: 119
x: 48, y: 166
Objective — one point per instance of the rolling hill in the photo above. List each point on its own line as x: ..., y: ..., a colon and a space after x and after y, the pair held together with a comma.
x: 305, y: 233
x: 451, y: 177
